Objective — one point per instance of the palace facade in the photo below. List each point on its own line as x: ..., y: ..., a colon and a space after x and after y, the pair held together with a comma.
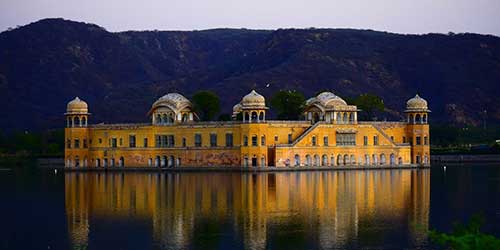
x: 330, y: 135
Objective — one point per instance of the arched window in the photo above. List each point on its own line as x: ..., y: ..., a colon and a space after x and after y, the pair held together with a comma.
x: 339, y: 118
x: 77, y: 161
x: 367, y: 159
x: 418, y: 118
x: 400, y: 161
x: 374, y: 159
x: 84, y: 121
x: 112, y: 164
x: 345, y: 118
x: 164, y: 161
x: 353, y: 160
x: 184, y: 117
x: 324, y: 161
x: 157, y: 161
x: 150, y: 162
x: 77, y: 122
x: 426, y: 159
x: 263, y: 140
x: 261, y: 116
x: 346, y: 159
x: 297, y: 160
x: 316, y: 160
x: 121, y: 162
x: 97, y: 162
x: 171, y: 161
x: 410, y: 119
x: 308, y: 160
x: 245, y: 161
x: 247, y: 117
x: 418, y: 160
x: 171, y: 118
x: 164, y: 120
x: 424, y: 118
x: 392, y: 159
x: 351, y: 118
x: 254, y: 116
x: 262, y: 161
x: 332, y: 160
x: 178, y: 163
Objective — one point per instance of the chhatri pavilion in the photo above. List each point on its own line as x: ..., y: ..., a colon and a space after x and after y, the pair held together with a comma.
x: 330, y: 136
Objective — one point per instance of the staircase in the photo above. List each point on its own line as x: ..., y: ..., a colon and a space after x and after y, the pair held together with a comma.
x: 384, y: 134
x: 308, y: 130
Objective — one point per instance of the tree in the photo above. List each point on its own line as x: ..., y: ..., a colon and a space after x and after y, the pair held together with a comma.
x: 289, y: 104
x: 206, y: 104
x: 466, y: 236
x: 369, y: 104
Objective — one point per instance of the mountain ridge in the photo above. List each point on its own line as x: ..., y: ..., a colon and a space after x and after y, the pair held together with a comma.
x: 45, y: 64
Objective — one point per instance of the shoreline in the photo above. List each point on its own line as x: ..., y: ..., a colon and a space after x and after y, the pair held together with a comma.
x: 239, y: 169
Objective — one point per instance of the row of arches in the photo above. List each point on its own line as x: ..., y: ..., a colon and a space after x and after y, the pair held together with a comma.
x: 345, y: 159
x: 335, y: 117
x: 417, y: 118
x: 164, y: 161
x: 254, y: 161
x: 254, y: 116
x: 158, y: 161
x: 161, y: 118
x: 76, y: 121
x: 105, y: 162
x: 422, y: 160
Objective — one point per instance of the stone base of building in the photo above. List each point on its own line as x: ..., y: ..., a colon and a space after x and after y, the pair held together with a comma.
x: 245, y: 169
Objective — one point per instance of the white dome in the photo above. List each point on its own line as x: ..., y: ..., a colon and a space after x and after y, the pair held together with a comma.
x: 172, y: 100
x: 326, y: 100
x: 329, y: 99
x: 77, y: 106
x: 416, y: 103
x: 236, y: 108
x: 253, y: 99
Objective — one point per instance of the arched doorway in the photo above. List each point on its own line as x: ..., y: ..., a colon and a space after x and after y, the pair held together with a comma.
x: 316, y: 160
x: 254, y: 161
x: 382, y: 159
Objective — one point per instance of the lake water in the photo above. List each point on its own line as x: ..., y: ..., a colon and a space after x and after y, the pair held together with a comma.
x: 362, y: 209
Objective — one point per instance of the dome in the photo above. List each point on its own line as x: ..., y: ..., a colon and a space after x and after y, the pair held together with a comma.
x: 236, y: 108
x: 326, y: 100
x: 253, y: 99
x: 416, y: 103
x: 172, y: 100
x: 329, y: 99
x: 77, y: 106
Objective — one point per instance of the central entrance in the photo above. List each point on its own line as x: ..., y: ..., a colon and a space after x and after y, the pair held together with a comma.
x: 254, y: 161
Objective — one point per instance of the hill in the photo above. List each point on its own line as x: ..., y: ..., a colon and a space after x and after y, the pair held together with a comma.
x: 45, y: 64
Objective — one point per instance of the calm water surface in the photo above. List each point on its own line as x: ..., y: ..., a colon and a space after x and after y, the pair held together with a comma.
x: 378, y: 209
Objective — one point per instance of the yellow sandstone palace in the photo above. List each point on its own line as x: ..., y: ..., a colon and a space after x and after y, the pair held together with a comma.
x: 331, y: 135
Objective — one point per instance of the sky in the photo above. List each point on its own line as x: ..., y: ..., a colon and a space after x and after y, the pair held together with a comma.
x: 399, y: 16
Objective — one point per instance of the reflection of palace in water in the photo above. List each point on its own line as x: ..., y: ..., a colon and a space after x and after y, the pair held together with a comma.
x: 333, y: 206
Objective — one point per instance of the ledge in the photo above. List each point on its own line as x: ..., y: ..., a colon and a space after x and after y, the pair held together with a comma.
x: 240, y: 169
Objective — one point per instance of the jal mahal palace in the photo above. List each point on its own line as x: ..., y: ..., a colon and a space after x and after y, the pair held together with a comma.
x: 329, y: 136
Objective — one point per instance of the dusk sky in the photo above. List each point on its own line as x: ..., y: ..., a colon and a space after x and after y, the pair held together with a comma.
x: 400, y: 16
